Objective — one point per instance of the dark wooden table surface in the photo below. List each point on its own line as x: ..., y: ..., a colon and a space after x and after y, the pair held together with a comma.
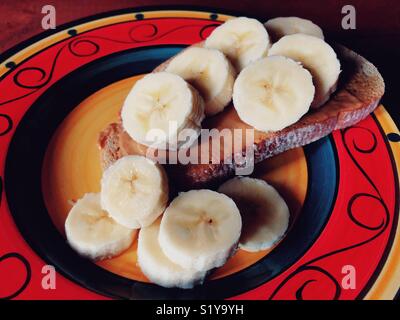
x: 377, y: 33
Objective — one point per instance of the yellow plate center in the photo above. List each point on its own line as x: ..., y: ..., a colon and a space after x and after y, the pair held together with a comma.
x: 72, y: 168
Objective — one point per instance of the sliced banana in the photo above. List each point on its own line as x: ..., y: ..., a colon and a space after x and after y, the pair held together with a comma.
x: 264, y: 213
x: 283, y: 26
x: 210, y: 72
x: 93, y: 233
x: 200, y: 229
x: 158, y: 268
x: 243, y: 40
x: 159, y: 107
x: 134, y: 191
x: 273, y: 93
x: 316, y: 56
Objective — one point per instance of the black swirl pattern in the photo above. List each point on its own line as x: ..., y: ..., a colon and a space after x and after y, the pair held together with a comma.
x: 299, y: 292
x: 42, y: 80
x: 28, y: 274
x: 86, y: 46
x: 355, y: 217
x: 138, y: 34
x: 207, y: 28
x: 9, y: 124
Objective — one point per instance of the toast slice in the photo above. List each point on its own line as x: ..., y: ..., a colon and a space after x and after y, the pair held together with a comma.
x: 360, y: 89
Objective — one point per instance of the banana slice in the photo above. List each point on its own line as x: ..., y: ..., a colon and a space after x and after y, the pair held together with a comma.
x: 210, y: 72
x: 200, y: 229
x: 316, y: 56
x: 134, y: 191
x: 273, y: 93
x: 93, y: 233
x: 159, y: 107
x: 265, y: 214
x: 158, y: 268
x: 242, y: 40
x: 283, y: 26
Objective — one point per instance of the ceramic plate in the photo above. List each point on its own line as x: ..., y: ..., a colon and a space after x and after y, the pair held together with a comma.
x: 57, y: 92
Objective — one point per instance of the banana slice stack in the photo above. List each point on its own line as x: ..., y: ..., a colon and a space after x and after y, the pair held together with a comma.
x: 134, y: 193
x: 272, y: 86
x: 270, y: 93
x: 199, y: 231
